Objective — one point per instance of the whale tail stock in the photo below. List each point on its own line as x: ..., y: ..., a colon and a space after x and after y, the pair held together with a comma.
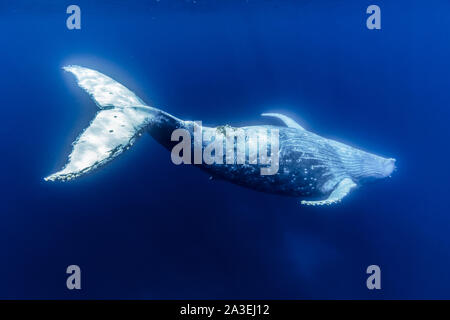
x: 121, y: 120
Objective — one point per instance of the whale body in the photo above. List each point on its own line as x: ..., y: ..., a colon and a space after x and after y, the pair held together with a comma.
x: 316, y: 169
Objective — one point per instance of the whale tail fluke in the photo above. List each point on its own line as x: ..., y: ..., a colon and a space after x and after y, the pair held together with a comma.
x: 121, y: 119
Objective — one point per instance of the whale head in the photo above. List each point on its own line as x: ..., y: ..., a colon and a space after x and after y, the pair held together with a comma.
x: 374, y: 167
x: 387, y: 167
x: 363, y: 166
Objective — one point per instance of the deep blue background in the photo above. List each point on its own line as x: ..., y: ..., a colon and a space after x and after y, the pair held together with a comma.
x: 142, y: 227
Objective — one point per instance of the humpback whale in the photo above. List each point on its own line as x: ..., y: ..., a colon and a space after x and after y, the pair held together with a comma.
x: 317, y: 170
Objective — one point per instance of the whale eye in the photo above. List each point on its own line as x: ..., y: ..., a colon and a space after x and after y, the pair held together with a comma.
x: 111, y: 130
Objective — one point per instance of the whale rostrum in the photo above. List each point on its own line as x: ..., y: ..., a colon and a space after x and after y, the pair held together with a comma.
x: 318, y: 170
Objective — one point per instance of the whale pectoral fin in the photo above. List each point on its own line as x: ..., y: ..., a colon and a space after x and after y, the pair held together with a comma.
x: 341, y: 190
x: 287, y: 121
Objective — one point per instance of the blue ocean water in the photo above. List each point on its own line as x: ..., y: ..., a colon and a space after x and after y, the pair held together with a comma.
x: 143, y: 228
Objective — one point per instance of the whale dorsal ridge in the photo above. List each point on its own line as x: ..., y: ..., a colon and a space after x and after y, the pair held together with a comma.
x: 287, y: 121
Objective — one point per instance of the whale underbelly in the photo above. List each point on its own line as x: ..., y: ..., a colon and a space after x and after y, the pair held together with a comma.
x: 295, y: 177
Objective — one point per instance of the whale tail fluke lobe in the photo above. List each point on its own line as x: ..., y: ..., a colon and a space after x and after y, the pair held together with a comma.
x: 121, y: 119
